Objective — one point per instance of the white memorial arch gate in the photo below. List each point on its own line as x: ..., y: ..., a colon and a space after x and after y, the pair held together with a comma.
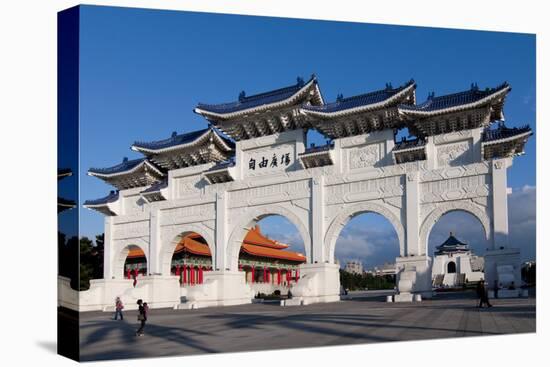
x: 204, y: 182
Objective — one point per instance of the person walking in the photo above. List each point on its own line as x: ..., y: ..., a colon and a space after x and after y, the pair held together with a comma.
x: 482, y: 294
x: 142, y: 317
x: 118, y: 309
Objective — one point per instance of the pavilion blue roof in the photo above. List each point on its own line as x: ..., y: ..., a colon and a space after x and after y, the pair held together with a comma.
x: 180, y: 139
x: 472, y: 95
x: 225, y: 164
x: 126, y: 165
x: 361, y: 100
x: 112, y: 197
x: 503, y: 132
x: 157, y: 186
x: 409, y: 144
x: 319, y: 148
x: 245, y: 102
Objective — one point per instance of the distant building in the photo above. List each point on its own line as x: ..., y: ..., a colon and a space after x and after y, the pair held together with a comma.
x: 455, y: 264
x: 385, y: 269
x: 354, y: 267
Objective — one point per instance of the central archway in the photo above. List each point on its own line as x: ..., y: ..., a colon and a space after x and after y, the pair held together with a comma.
x: 347, y: 214
x: 250, y: 219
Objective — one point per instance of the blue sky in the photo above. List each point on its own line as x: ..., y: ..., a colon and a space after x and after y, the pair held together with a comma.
x: 143, y: 71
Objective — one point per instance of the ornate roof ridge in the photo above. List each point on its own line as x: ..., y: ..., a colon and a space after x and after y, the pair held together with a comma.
x: 409, y: 143
x: 503, y: 132
x: 434, y: 103
x: 126, y: 165
x: 257, y: 101
x: 388, y: 90
x: 181, y: 139
x: 157, y: 186
x: 363, y: 99
x: 111, y: 197
x: 243, y: 98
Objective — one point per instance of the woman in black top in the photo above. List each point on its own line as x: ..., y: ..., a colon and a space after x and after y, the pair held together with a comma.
x: 142, y: 317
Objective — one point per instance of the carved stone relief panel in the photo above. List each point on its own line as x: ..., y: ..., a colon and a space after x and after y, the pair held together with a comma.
x: 453, y: 172
x: 188, y: 186
x: 270, y: 193
x: 188, y: 214
x: 365, y: 190
x: 455, y: 188
x: 455, y: 154
x: 454, y: 136
x: 364, y: 157
x: 131, y: 230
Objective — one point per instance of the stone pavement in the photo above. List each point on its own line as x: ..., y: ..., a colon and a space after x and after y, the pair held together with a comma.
x: 268, y: 326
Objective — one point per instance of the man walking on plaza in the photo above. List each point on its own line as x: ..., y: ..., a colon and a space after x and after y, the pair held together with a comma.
x: 482, y: 294
x: 142, y: 317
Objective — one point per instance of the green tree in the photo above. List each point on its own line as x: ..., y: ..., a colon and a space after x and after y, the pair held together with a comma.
x: 87, y: 260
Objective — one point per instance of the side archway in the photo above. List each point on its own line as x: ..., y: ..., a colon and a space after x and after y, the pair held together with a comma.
x: 431, y: 219
x: 172, y: 237
x: 250, y: 218
x: 121, y: 253
x: 347, y: 214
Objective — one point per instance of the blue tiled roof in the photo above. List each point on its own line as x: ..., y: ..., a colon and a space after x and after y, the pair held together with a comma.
x: 256, y: 100
x: 407, y: 144
x: 180, y: 139
x: 456, y: 99
x: 452, y: 244
x: 126, y: 165
x: 503, y: 132
x: 360, y: 100
x: 157, y: 186
x: 112, y: 197
x: 225, y: 164
x: 320, y: 148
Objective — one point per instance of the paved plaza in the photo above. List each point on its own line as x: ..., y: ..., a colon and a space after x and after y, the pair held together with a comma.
x: 366, y: 318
